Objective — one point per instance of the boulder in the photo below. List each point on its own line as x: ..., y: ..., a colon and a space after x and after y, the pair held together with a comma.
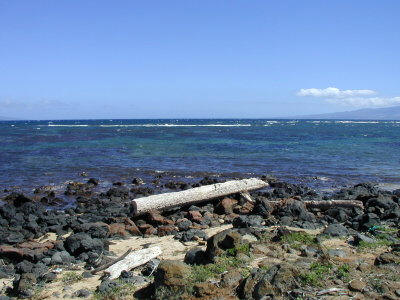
x: 118, y: 192
x: 357, y: 285
x: 183, y: 224
x: 191, y: 235
x: 61, y: 257
x: 195, y: 216
x: 222, y: 241
x: 225, y: 206
x: 147, y: 229
x: 117, y: 229
x: 24, y: 287
x: 166, y: 230
x: 137, y: 181
x: 154, y: 217
x: 362, y: 238
x: 196, y: 256
x: 172, y: 274
x: 231, y: 279
x: 208, y: 290
x: 385, y: 258
x: 368, y: 221
x: 82, y: 293
x: 248, y: 221
x: 150, y: 267
x: 336, y: 230
x: 81, y: 242
x: 95, y: 230
x: 93, y: 181
x: 17, y: 199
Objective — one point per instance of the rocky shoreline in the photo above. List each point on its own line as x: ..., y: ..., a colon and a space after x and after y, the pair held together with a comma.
x: 258, y: 250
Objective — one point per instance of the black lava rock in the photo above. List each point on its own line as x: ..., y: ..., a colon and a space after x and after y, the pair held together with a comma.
x: 79, y: 243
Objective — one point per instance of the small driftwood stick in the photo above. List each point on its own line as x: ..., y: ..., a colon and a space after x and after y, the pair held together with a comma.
x: 105, y: 266
x: 195, y: 195
x: 332, y: 290
x: 246, y: 195
x: 132, y: 260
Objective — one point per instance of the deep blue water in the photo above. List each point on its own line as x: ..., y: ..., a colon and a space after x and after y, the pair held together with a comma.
x: 319, y: 153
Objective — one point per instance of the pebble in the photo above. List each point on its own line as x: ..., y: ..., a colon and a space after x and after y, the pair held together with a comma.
x: 337, y: 253
x: 357, y: 285
x: 82, y: 293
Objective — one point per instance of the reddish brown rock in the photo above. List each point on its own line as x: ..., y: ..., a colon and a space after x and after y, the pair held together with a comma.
x: 35, y: 245
x: 133, y: 229
x: 147, y: 229
x: 245, y: 209
x: 198, y: 226
x: 154, y: 217
x: 118, y: 229
x: 195, y: 215
x: 357, y: 285
x: 172, y: 273
x: 25, y: 250
x: 230, y: 217
x: 226, y: 206
x: 123, y: 220
x: 166, y: 230
x: 209, y: 291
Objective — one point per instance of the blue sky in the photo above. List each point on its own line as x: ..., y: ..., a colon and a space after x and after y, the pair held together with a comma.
x: 196, y: 59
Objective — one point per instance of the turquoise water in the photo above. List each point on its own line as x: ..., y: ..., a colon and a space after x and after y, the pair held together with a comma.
x: 319, y: 153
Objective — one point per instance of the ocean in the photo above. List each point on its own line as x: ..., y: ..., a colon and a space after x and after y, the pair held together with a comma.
x: 325, y: 154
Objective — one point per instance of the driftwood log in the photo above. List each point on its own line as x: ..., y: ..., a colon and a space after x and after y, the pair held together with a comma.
x: 195, y: 195
x: 132, y: 260
x: 105, y: 266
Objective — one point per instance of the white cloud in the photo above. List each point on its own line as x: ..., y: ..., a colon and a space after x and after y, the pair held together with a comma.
x: 334, y: 92
x: 354, y: 98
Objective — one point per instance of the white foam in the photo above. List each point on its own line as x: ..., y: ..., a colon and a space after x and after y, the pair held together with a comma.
x: 178, y: 125
x: 63, y: 125
x: 357, y: 122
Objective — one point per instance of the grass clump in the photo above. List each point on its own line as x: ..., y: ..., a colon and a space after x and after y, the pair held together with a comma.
x: 202, y: 273
x: 381, y: 241
x: 297, y: 239
x: 388, y: 229
x: 123, y: 290
x: 343, y: 272
x: 377, y: 285
x: 71, y: 277
x: 317, y: 273
x: 243, y: 248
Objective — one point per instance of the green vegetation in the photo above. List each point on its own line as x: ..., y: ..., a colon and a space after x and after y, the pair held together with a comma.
x: 244, y: 248
x: 343, y: 272
x: 201, y: 273
x: 317, y: 274
x: 388, y: 229
x: 377, y: 285
x: 122, y: 291
x: 297, y: 239
x: 71, y: 277
x: 381, y: 241
x: 163, y: 292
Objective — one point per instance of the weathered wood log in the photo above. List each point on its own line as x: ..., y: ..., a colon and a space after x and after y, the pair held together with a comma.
x: 133, y: 260
x: 105, y: 266
x: 195, y: 195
